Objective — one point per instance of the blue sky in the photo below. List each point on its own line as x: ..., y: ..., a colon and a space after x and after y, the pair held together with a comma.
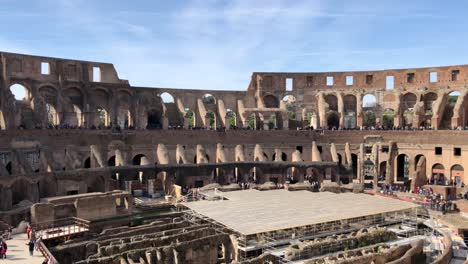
x: 209, y: 44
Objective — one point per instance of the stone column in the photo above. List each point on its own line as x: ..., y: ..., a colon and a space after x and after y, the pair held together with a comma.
x: 359, y: 114
x: 341, y: 111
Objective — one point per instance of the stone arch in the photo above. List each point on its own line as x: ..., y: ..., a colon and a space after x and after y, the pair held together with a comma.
x: 438, y: 174
x: 429, y: 98
x: 452, y: 99
x: 284, y: 156
x: 167, y: 98
x: 111, y: 162
x: 416, y: 160
x: 333, y: 120
x: 73, y: 106
x: 231, y: 118
x: 293, y: 175
x: 102, y: 117
x: 206, y: 156
x: 368, y: 170
x: 21, y: 189
x: 350, y: 108
x: 87, y: 163
x: 388, y: 118
x: 174, y: 116
x: 255, y: 175
x: 211, y: 119
x: 208, y: 99
x: 20, y: 92
x: 403, y: 167
x: 124, y: 113
x: 354, y: 160
x: 369, y: 101
x: 457, y: 174
x: 97, y: 184
x: 137, y: 159
x: 190, y: 115
x: 23, y: 114
x: 408, y: 101
x: 369, y: 106
x: 270, y: 101
x: 313, y: 174
x: 52, y: 115
x: 383, y: 171
x: 154, y: 119
x: 332, y: 102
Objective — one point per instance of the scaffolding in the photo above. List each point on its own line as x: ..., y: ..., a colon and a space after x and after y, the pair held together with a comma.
x: 252, y: 245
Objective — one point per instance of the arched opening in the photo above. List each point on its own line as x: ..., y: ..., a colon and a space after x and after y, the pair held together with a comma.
x: 79, y: 115
x: 403, y: 167
x: 124, y: 116
x: 211, y: 120
x: 154, y: 119
x: 314, y: 176
x: 438, y: 174
x: 457, y: 175
x: 428, y: 99
x: 368, y: 170
x: 382, y: 171
x: 52, y: 117
x: 333, y: 121
x: 167, y: 98
x: 449, y: 107
x: 270, y: 101
x: 407, y: 107
x: 87, y: 163
x: 369, y: 101
x: 332, y: 102
x: 255, y: 175
x: 208, y: 99
x: 416, y: 160
x: 111, y: 161
x: 72, y: 107
x: 289, y: 101
x: 312, y: 119
x: 388, y: 118
x: 9, y: 168
x: 350, y: 106
x: 354, y: 160
x: 369, y: 119
x: 138, y: 159
x: 189, y: 114
x: 369, y: 106
x: 231, y: 118
x: 284, y: 156
x: 19, y: 92
x: 293, y: 175
x: 252, y: 121
x: 206, y: 156
x: 103, y: 117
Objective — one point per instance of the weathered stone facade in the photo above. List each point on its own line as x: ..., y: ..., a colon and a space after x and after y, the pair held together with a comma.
x: 71, y: 151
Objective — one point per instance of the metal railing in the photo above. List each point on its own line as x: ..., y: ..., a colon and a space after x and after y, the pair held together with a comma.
x: 46, y: 253
x: 61, y: 227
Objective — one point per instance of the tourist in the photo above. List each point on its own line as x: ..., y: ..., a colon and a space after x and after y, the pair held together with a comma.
x: 3, y: 250
x: 29, y: 231
x: 31, y: 247
x: 10, y: 229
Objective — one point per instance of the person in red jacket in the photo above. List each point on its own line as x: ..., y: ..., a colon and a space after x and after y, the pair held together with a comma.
x: 29, y: 231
